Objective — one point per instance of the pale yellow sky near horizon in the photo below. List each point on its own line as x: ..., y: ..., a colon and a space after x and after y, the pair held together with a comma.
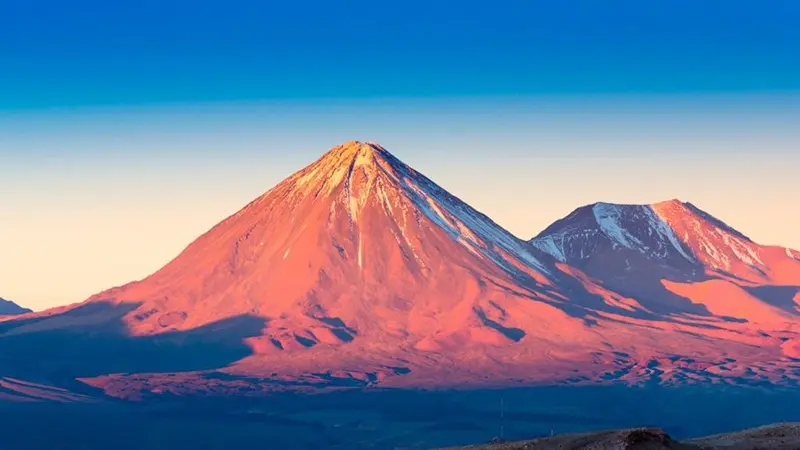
x: 92, y: 239
x: 97, y: 199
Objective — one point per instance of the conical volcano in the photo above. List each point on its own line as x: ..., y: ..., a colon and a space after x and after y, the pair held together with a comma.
x: 357, y: 238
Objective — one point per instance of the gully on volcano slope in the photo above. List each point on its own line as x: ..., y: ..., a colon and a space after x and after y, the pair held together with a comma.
x: 358, y: 269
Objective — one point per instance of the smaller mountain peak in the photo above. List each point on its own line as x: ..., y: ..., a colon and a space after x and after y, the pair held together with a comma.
x: 7, y: 307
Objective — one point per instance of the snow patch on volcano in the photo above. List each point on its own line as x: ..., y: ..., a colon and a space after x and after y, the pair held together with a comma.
x: 548, y: 245
x: 663, y: 230
x: 609, y: 217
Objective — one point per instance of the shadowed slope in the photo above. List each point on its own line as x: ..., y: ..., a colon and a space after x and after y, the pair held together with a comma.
x: 20, y: 391
x: 92, y: 339
x: 9, y: 308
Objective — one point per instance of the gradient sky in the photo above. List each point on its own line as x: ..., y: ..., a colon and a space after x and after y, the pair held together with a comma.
x: 129, y: 128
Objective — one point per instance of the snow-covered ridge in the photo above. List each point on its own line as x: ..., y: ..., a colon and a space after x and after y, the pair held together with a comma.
x: 644, y: 231
x: 609, y: 218
x: 462, y: 221
x: 634, y: 227
x: 553, y: 245
x: 658, y: 231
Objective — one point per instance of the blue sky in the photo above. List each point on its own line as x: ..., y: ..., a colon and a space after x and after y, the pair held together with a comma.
x: 129, y: 128
x: 77, y: 53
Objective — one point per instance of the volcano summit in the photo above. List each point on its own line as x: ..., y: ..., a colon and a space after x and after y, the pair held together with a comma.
x: 359, y: 270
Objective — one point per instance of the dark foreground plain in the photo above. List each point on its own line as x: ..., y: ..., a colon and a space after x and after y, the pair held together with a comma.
x: 784, y: 436
x: 389, y: 419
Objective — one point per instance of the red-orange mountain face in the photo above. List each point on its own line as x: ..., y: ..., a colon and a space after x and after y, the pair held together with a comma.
x: 358, y: 269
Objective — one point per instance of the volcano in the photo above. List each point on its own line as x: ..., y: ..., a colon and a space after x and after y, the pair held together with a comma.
x: 674, y: 235
x: 668, y: 249
x: 359, y: 270
x: 681, y: 261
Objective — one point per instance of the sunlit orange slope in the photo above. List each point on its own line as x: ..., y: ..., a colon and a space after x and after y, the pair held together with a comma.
x: 360, y: 269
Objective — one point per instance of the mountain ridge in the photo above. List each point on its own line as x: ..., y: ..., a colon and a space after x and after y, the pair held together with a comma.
x: 673, y: 253
x: 358, y: 269
x: 714, y: 244
x: 9, y: 308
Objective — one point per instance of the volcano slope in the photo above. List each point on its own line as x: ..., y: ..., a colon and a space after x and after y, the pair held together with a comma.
x: 358, y: 270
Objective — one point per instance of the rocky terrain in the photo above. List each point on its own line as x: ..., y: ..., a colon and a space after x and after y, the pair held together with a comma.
x: 772, y: 437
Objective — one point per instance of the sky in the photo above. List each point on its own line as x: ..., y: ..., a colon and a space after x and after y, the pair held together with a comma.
x: 127, y: 129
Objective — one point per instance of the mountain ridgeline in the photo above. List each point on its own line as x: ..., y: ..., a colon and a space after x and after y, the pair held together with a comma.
x: 9, y: 308
x: 358, y: 270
